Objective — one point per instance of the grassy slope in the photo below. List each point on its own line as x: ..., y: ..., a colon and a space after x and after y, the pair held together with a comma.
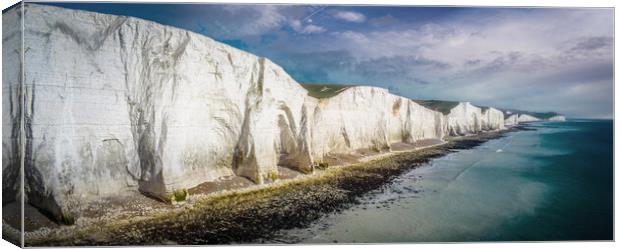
x: 438, y: 105
x: 540, y: 115
x: 324, y: 90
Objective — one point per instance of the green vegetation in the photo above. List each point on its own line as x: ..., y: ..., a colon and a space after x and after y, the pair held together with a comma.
x: 178, y: 195
x: 323, y: 165
x: 438, y: 105
x: 324, y: 90
x: 273, y: 175
x: 67, y: 219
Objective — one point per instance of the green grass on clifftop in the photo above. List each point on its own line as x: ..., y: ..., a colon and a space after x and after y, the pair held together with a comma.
x: 442, y: 106
x: 324, y: 90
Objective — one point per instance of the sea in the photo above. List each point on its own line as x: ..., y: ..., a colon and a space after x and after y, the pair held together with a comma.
x: 553, y: 182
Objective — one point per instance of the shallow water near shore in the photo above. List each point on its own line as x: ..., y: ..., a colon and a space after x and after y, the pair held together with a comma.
x: 552, y: 183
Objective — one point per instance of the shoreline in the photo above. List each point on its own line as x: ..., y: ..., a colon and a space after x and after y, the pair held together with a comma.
x: 254, y: 214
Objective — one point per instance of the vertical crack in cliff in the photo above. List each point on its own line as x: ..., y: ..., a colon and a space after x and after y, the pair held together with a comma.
x: 245, y: 162
x: 36, y: 193
x: 406, y: 128
x: 244, y: 159
x: 293, y: 147
x: 12, y: 151
x: 439, y: 125
x: 93, y: 42
x: 345, y: 136
x: 305, y: 161
x: 145, y: 85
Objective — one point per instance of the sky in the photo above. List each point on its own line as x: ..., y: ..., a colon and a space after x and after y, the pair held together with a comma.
x: 535, y: 59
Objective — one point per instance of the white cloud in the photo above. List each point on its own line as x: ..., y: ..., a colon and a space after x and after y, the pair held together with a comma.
x: 350, y: 16
x: 534, y: 59
x: 305, y: 29
x: 249, y: 21
x: 521, y: 57
x: 237, y: 21
x: 535, y: 38
x: 356, y: 37
x: 313, y: 29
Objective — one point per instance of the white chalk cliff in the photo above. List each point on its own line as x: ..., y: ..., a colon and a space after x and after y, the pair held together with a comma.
x: 492, y: 119
x: 370, y: 117
x: 557, y: 118
x: 527, y: 118
x: 464, y: 119
x: 11, y: 111
x: 114, y: 104
x: 511, y: 120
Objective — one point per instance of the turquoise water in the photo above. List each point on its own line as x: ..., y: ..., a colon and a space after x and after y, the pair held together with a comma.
x: 555, y: 183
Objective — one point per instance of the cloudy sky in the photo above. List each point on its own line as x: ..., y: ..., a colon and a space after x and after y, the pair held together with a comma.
x: 537, y: 59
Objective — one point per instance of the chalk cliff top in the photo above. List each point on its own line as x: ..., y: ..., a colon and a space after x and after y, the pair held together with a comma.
x: 539, y: 115
x: 320, y: 91
x: 442, y: 106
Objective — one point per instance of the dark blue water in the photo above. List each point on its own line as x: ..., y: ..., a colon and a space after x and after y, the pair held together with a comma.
x: 555, y: 183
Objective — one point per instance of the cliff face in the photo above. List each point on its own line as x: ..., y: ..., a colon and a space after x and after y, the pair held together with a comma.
x: 512, y: 120
x: 11, y: 107
x: 370, y: 117
x: 527, y: 118
x: 464, y: 119
x: 492, y: 119
x: 557, y: 118
x: 115, y: 104
x: 124, y: 103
